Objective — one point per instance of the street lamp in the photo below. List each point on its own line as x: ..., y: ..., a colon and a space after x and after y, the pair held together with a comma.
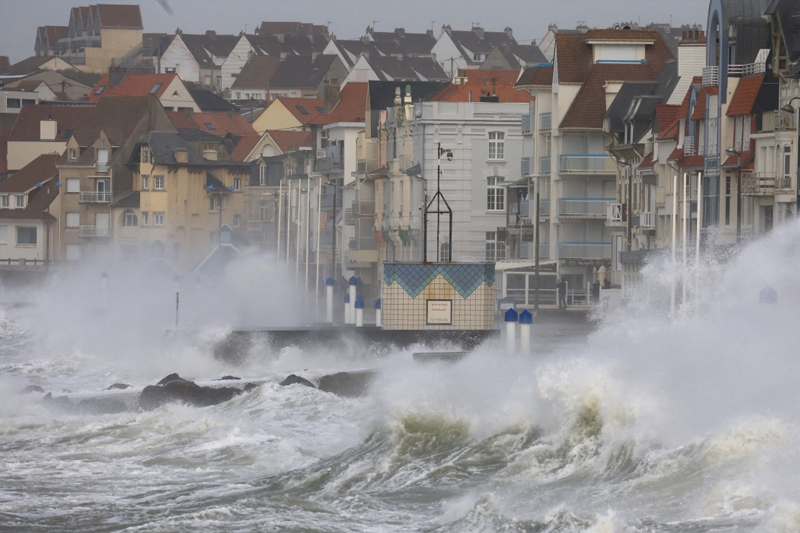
x: 789, y: 108
x: 738, y: 153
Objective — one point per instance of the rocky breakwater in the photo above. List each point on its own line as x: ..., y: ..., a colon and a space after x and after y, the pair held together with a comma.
x: 174, y: 388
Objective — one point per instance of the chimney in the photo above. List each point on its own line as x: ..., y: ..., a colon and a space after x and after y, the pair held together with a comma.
x: 211, y: 33
x: 429, y: 33
x: 208, y: 155
x: 478, y: 31
x: 48, y: 130
x: 181, y: 155
x: 509, y: 32
x: 400, y: 32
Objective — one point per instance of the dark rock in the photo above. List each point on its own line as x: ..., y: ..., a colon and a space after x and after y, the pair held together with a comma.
x: 227, y: 378
x: 102, y: 406
x: 297, y: 380
x: 32, y: 388
x: 347, y: 384
x: 188, y: 392
x: 119, y: 386
x: 59, y: 402
x: 171, y: 377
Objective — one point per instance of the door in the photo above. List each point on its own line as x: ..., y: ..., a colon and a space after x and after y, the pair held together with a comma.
x: 101, y: 221
x: 103, y: 188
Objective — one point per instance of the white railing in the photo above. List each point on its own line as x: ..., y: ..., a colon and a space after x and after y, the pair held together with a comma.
x: 615, y: 214
x: 710, y: 76
x: 584, y: 250
x: 688, y: 145
x: 526, y: 124
x: 778, y: 121
x: 102, y: 166
x: 525, y: 167
x: 647, y: 219
x: 94, y: 231
x: 751, y: 69
x: 758, y: 183
x: 95, y: 197
x: 526, y: 250
x: 544, y: 165
x: 583, y: 207
x: 785, y: 183
x: 545, y: 121
x: 587, y: 164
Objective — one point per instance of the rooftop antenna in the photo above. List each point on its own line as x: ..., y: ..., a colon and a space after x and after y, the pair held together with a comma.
x: 476, y: 24
x: 374, y: 22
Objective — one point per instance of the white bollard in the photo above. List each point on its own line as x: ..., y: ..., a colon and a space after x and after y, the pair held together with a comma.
x: 347, y: 309
x: 511, y: 330
x: 359, y: 306
x: 525, y: 320
x: 378, y: 313
x: 329, y: 300
x: 352, y: 285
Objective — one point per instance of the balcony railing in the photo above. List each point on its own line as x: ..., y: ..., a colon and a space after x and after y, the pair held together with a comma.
x: 778, y: 121
x: 102, y: 166
x: 758, y: 183
x: 710, y: 76
x: 363, y: 243
x: 329, y: 164
x: 365, y: 208
x: 525, y: 167
x: 587, y: 164
x: 784, y: 183
x: 615, y: 214
x: 95, y: 197
x: 94, y: 231
x: 526, y: 124
x: 544, y: 207
x: 545, y: 121
x: 349, y: 219
x: 750, y: 69
x: 584, y: 250
x: 526, y: 250
x: 583, y: 207
x: 647, y: 219
x: 688, y: 145
x: 544, y: 165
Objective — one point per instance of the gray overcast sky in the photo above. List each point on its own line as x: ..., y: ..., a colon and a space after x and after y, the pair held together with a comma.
x: 349, y: 18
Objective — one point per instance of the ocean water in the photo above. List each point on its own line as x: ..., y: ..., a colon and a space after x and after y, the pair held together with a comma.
x: 650, y: 424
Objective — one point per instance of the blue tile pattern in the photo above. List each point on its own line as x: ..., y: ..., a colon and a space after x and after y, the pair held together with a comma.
x: 414, y: 277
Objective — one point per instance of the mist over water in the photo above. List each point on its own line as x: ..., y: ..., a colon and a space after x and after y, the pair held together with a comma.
x: 691, y: 424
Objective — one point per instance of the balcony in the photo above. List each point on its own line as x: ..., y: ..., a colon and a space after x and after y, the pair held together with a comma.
x: 688, y: 145
x: 526, y: 208
x: 544, y: 165
x: 326, y: 202
x: 615, y: 215
x: 329, y: 164
x: 647, y: 220
x: 102, y: 166
x: 525, y: 167
x: 94, y: 231
x: 363, y: 243
x: 364, y: 208
x: 750, y: 69
x: 545, y: 122
x: 583, y: 207
x: 95, y: 198
x: 526, y: 124
x: 349, y: 219
x: 784, y: 183
x: 584, y: 250
x: 710, y: 76
x: 587, y: 164
x: 777, y: 121
x: 526, y: 250
x: 758, y: 183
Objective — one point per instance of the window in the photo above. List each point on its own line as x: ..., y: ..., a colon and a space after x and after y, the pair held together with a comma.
x: 494, y: 251
x: 155, y: 88
x: 26, y: 236
x: 496, y: 145
x: 444, y: 252
x: 102, y: 159
x: 237, y: 221
x: 158, y: 183
x: 238, y: 96
x: 145, y: 182
x: 73, y: 185
x: 144, y: 218
x: 144, y: 154
x: 302, y: 110
x: 237, y: 184
x: 158, y: 219
x: 73, y: 252
x: 210, y: 126
x: 20, y: 201
x: 214, y: 202
x: 727, y: 200
x: 73, y: 220
x: 290, y: 170
x: 262, y: 176
x: 13, y: 103
x: 4, y: 201
x: 128, y: 219
x: 100, y: 90
x: 73, y: 154
x: 263, y: 211
x: 3, y: 234
x: 495, y: 194
x: 787, y: 161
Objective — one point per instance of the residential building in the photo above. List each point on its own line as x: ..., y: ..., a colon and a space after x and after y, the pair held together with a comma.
x: 513, y: 56
x: 47, y: 37
x: 168, y: 88
x: 253, y: 82
x: 28, y: 211
x: 93, y: 170
x: 290, y: 114
x: 182, y: 206
x: 276, y: 142
x: 63, y: 88
x: 304, y: 77
x: 390, y: 68
x: 457, y: 49
x: 43, y: 129
x: 198, y: 58
x: 38, y: 63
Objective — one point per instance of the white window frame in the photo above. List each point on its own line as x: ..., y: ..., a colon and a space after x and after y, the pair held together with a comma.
x: 215, y: 201
x: 19, y: 201
x: 144, y: 154
x: 73, y: 154
x: 73, y: 185
x: 262, y: 175
x: 497, y: 146
x: 159, y: 183
x: 495, y: 194
x: 73, y: 220
x: 145, y: 216
x: 237, y: 221
x: 237, y: 184
x: 3, y: 234
x: 35, y: 236
x: 145, y: 183
x: 4, y: 202
x: 494, y: 251
x: 129, y: 216
x: 158, y: 219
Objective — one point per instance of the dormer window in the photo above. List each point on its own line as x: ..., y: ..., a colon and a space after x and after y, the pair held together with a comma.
x: 102, y: 159
x: 73, y: 154
x: 100, y: 90
x: 155, y: 88
x: 20, y: 201
x: 3, y: 201
x: 144, y: 154
x: 210, y: 126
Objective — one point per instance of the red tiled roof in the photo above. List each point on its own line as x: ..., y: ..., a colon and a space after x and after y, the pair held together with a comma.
x: 68, y: 118
x: 665, y: 117
x: 133, y: 85
x: 672, y: 131
x: 734, y: 161
x: 351, y: 107
x: 676, y: 154
x: 222, y: 123
x: 745, y: 96
x: 291, y: 141
x: 537, y: 76
x: 56, y: 33
x: 484, y: 82
x: 700, y: 109
x: 693, y: 161
x: 683, y: 109
x: 647, y: 162
x: 182, y: 121
x: 39, y: 170
x: 574, y: 58
x: 119, y: 15
x: 617, y: 35
x: 310, y: 105
x: 245, y: 146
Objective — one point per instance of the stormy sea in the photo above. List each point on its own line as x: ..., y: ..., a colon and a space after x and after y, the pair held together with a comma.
x: 640, y: 422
